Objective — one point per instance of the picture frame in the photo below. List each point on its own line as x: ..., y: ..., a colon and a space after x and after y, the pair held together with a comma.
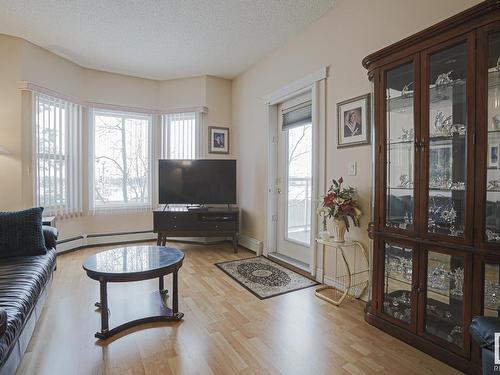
x: 218, y: 140
x: 493, y: 156
x: 353, y: 121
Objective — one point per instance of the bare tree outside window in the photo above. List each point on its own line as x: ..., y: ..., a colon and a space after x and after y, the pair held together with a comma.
x: 299, y: 189
x: 121, y: 160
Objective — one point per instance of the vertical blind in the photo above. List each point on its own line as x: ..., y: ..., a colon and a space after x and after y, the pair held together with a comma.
x: 180, y: 136
x: 57, y: 155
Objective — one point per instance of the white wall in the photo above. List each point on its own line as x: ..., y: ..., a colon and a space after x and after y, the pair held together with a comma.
x: 23, y: 61
x: 10, y: 120
x: 339, y: 40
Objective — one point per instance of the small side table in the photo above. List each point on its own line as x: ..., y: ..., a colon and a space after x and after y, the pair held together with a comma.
x: 346, y: 282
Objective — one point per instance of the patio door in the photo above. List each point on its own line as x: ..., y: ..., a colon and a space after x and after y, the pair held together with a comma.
x: 295, y: 176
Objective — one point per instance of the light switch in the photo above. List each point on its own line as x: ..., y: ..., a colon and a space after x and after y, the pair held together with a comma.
x: 352, y: 168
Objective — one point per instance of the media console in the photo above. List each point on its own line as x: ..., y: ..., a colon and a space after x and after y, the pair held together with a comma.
x: 211, y: 222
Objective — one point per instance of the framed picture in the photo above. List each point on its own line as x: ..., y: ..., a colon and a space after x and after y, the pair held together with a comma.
x: 218, y: 140
x: 353, y: 121
x: 493, y: 154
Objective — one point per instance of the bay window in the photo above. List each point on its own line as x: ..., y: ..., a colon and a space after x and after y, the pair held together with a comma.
x: 121, y: 155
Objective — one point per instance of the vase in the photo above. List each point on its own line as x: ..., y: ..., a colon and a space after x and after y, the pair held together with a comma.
x: 339, y: 230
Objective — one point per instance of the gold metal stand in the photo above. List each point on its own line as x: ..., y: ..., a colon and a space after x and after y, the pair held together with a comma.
x: 345, y: 284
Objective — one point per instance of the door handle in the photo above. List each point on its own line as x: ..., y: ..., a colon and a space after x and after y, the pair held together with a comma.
x: 278, y: 190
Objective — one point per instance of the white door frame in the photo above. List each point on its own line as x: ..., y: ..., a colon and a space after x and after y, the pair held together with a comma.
x: 316, y: 84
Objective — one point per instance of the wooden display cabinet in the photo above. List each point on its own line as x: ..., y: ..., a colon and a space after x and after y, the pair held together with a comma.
x: 436, y: 217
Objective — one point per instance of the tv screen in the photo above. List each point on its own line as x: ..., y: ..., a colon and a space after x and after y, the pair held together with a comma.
x: 205, y: 181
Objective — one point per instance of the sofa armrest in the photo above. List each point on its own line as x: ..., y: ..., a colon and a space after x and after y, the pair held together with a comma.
x: 3, y: 321
x: 50, y: 234
x: 482, y: 330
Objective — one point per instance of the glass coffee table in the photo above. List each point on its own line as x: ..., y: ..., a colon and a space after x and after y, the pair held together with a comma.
x: 135, y: 263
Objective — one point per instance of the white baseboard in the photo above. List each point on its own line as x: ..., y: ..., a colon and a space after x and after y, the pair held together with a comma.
x: 251, y: 244
x: 319, y: 274
x: 103, y: 239
x: 108, y: 239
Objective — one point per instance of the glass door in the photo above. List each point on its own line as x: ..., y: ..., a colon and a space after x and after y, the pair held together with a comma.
x: 492, y: 209
x: 443, y: 279
x: 399, y: 284
x: 446, y: 142
x: 491, y: 289
x: 298, y: 184
x: 295, y: 173
x: 400, y: 132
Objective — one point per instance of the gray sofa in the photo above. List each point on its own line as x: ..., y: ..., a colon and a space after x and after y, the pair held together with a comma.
x: 24, y: 283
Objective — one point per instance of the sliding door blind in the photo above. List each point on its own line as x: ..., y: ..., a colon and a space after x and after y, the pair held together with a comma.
x: 297, y: 115
x: 180, y: 134
x: 57, y: 159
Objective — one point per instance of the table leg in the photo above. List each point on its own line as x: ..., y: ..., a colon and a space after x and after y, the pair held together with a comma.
x: 161, y: 284
x: 104, y: 307
x: 235, y: 243
x: 175, y: 297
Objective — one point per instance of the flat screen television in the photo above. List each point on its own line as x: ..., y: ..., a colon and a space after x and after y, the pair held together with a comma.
x: 202, y: 181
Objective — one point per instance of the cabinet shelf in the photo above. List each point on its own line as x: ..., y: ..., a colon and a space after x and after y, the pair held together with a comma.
x: 436, y: 291
x: 400, y: 143
x: 430, y: 189
x: 405, y: 102
x: 445, y: 138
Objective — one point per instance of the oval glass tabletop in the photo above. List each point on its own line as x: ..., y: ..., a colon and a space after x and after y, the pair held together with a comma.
x: 133, y: 259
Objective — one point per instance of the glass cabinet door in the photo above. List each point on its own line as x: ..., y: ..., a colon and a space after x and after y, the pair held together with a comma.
x: 492, y: 209
x: 398, y: 292
x: 447, y: 140
x: 444, y: 297
x: 400, y: 147
x: 491, y: 292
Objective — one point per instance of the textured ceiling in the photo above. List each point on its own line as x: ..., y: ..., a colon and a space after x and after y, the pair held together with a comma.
x: 160, y: 39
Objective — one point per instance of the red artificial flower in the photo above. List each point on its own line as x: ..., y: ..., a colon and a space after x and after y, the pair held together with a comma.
x: 328, y: 199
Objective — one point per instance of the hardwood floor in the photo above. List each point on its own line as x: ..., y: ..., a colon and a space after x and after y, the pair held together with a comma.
x: 226, y: 330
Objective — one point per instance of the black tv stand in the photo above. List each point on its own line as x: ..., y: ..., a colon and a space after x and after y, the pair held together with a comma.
x: 207, y: 222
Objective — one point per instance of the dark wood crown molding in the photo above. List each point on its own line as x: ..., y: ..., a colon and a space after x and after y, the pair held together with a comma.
x: 486, y: 8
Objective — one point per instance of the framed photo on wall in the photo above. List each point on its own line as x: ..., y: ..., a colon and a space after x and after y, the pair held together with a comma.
x: 353, y: 121
x: 218, y: 140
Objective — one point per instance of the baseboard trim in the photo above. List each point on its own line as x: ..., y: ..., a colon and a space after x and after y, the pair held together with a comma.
x: 250, y: 243
x: 79, y: 242
x: 86, y: 240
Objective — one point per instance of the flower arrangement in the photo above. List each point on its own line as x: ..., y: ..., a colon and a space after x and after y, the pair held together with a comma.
x: 340, y: 203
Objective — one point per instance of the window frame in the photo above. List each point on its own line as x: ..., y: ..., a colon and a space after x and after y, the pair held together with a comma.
x: 121, y: 206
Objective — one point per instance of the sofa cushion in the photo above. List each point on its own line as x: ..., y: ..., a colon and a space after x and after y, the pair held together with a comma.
x: 22, y: 280
x: 482, y: 330
x: 21, y: 233
x: 50, y: 234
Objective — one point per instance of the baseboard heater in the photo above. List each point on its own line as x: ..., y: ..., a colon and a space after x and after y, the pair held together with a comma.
x: 82, y: 241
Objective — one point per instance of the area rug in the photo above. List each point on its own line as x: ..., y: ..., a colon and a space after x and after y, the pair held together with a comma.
x: 264, y: 278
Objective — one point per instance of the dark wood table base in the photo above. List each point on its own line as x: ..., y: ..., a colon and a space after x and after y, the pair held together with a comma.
x: 152, y: 309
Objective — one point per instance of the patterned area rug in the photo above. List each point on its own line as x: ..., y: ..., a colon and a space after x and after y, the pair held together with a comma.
x: 265, y: 278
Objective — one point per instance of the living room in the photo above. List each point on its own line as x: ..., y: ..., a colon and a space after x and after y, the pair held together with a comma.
x: 223, y: 187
